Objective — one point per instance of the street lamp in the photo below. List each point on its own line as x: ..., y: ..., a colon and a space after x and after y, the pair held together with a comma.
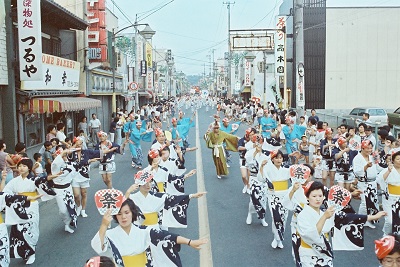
x: 148, y: 34
x: 249, y: 56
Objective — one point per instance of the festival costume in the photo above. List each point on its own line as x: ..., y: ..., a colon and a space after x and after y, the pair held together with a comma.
x: 279, y: 177
x: 391, y: 200
x: 367, y: 184
x: 215, y: 142
x: 16, y: 206
x: 130, y: 249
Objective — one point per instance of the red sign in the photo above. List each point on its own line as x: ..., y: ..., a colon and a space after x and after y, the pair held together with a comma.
x: 97, y: 33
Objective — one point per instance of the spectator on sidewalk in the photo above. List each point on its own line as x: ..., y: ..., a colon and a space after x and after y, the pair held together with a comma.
x: 94, y: 128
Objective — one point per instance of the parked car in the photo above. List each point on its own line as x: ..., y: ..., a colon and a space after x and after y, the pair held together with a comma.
x: 394, y: 118
x: 376, y: 116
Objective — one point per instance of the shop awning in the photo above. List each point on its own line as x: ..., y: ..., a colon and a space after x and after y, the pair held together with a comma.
x: 147, y: 93
x: 61, y: 104
x: 247, y: 89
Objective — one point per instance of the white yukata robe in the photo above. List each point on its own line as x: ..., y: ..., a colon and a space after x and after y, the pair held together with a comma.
x: 166, y: 182
x: 280, y: 180
x: 258, y: 186
x: 24, y: 236
x: 367, y: 184
x: 391, y: 200
x: 119, y: 244
x: 171, y: 210
x: 64, y: 196
x: 16, y: 206
x: 315, y: 249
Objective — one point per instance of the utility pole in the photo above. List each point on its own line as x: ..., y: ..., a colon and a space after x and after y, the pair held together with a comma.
x: 213, y: 71
x: 8, y: 95
x: 299, y: 60
x: 137, y: 69
x: 229, y: 88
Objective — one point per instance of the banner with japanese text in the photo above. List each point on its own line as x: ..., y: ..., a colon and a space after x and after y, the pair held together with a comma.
x: 58, y: 74
x: 247, y: 74
x: 29, y: 40
x: 149, y: 55
x: 280, y: 46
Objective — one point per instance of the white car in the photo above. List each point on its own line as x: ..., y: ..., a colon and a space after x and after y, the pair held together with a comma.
x: 377, y: 116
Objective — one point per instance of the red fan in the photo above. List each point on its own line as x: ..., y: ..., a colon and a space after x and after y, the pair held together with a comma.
x: 338, y: 197
x: 109, y: 199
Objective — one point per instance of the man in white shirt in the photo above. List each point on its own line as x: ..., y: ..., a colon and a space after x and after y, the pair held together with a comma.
x: 94, y: 128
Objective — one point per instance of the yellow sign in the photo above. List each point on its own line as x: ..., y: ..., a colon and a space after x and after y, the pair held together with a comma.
x: 149, y: 55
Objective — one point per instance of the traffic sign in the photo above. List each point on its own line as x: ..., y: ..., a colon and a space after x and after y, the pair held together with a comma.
x: 133, y: 86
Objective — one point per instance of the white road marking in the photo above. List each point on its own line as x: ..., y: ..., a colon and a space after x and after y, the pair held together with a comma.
x: 204, y: 226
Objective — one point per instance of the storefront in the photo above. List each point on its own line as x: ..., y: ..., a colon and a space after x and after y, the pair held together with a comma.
x: 38, y: 113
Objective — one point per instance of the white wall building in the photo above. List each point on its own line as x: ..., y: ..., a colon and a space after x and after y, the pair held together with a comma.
x: 362, y: 57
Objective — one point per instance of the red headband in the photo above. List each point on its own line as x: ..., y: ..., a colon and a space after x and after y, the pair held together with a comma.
x: 341, y: 140
x: 273, y: 154
x: 328, y: 131
x: 154, y: 153
x: 384, y: 245
x: 225, y: 120
x: 365, y: 144
x: 257, y: 138
x: 174, y: 120
x: 307, y: 187
x: 101, y: 133
x: 158, y: 131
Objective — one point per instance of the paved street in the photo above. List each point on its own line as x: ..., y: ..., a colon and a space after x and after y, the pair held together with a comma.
x: 233, y: 242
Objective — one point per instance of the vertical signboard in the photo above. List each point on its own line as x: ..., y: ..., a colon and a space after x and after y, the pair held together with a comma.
x: 149, y: 79
x: 30, y: 40
x: 149, y: 55
x: 280, y: 46
x: 247, y: 74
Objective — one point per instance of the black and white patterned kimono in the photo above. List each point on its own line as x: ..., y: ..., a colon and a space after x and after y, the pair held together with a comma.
x: 25, y: 235
x: 167, y: 182
x: 82, y: 164
x: 16, y: 205
x: 129, y: 249
x: 367, y: 184
x: 162, y: 210
x: 280, y: 182
x: 391, y: 200
x: 258, y: 185
x: 62, y: 186
x: 348, y: 232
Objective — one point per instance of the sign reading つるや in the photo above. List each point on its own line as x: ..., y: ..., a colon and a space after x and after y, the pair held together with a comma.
x: 29, y: 40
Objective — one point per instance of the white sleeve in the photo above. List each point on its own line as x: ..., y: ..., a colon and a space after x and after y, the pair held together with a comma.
x: 10, y: 187
x: 97, y: 246
x: 358, y: 166
x: 308, y: 230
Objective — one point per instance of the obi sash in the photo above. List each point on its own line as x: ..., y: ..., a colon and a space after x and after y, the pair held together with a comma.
x: 150, y: 218
x: 1, y: 219
x: 305, y: 245
x: 281, y: 185
x: 29, y: 194
x: 160, y: 186
x: 216, y: 150
x: 394, y: 189
x: 138, y: 260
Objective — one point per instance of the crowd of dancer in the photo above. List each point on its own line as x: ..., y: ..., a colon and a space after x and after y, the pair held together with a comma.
x: 287, y: 164
x: 269, y: 156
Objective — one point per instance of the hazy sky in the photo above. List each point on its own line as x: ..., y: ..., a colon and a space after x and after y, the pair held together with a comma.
x: 191, y: 29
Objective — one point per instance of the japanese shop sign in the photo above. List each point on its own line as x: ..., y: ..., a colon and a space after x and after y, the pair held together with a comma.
x: 247, y: 74
x: 149, y: 55
x: 58, y: 74
x: 150, y: 79
x: 29, y: 40
x: 280, y: 46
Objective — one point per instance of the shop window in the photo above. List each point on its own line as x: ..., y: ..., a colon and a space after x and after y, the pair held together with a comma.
x: 34, y: 129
